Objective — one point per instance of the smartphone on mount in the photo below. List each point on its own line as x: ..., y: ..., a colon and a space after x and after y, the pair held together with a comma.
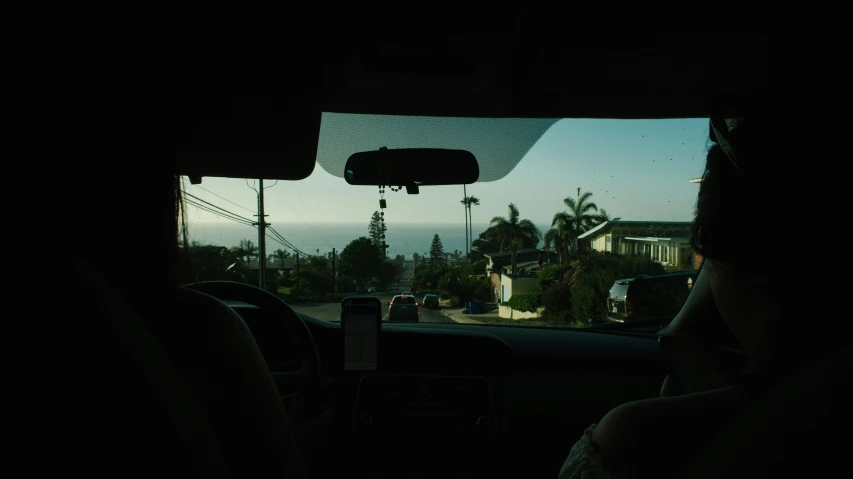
x: 361, y: 321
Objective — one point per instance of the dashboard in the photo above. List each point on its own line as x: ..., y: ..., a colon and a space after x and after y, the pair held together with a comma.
x: 496, y: 400
x: 424, y: 408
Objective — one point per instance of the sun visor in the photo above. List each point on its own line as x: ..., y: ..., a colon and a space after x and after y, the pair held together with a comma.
x: 256, y: 139
x: 497, y: 143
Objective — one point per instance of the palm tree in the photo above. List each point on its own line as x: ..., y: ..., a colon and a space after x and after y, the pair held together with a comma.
x: 247, y: 249
x: 472, y: 201
x: 552, y: 236
x: 281, y: 255
x: 563, y: 226
x: 515, y: 231
x: 581, y: 216
x: 603, y: 217
x: 465, y: 209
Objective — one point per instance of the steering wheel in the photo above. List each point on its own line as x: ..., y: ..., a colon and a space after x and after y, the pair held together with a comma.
x: 282, y: 324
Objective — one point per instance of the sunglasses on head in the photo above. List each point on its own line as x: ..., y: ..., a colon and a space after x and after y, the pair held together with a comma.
x: 721, y: 133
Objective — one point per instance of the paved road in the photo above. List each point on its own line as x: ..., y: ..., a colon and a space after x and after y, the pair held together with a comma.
x: 332, y: 311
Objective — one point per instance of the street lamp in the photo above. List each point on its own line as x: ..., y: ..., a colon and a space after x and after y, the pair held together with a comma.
x: 695, y: 180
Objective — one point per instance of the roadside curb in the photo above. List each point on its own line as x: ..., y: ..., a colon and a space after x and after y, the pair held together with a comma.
x: 460, y: 318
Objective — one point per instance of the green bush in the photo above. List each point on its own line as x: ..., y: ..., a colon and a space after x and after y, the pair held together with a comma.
x: 458, y: 282
x: 557, y: 301
x: 313, y: 284
x: 561, y: 317
x: 524, y: 302
x: 551, y: 275
x: 346, y: 285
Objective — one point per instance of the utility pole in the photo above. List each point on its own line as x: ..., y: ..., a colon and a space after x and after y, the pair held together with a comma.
x: 262, y: 236
x: 334, y: 277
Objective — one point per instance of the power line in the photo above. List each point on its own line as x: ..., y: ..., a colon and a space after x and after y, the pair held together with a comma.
x: 288, y: 245
x: 234, y: 218
x: 226, y: 199
x: 319, y: 235
x: 285, y: 241
x: 219, y: 213
x: 217, y: 207
x: 277, y: 237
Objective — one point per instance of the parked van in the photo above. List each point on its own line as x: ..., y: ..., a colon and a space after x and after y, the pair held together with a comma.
x: 654, y: 299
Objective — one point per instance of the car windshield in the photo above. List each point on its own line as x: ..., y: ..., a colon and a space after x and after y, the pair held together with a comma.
x: 563, y: 208
x: 404, y: 300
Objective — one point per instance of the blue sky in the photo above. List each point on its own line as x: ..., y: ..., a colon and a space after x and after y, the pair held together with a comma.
x: 636, y: 170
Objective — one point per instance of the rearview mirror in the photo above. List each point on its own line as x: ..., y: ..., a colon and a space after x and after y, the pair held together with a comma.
x: 412, y: 167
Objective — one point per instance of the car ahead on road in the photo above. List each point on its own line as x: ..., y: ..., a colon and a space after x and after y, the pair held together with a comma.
x: 371, y: 289
x: 430, y: 301
x: 403, y: 308
x: 652, y: 300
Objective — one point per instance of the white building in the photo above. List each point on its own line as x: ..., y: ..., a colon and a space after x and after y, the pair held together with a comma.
x: 665, y: 242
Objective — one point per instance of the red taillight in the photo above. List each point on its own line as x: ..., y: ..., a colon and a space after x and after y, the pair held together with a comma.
x: 392, y: 303
x: 416, y: 303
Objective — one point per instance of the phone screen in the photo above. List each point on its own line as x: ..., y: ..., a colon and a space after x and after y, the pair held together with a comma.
x: 361, y: 323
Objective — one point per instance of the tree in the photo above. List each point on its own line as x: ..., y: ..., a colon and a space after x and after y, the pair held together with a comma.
x: 319, y: 263
x: 429, y: 277
x: 247, y: 249
x: 399, y: 265
x: 515, y: 231
x: 281, y: 255
x: 376, y: 231
x: 472, y: 201
x: 553, y: 237
x: 436, y: 252
x: 211, y: 263
x: 387, y: 273
x: 360, y: 260
x: 603, y: 217
x: 490, y: 242
x: 581, y: 217
x: 465, y: 209
x: 469, y: 224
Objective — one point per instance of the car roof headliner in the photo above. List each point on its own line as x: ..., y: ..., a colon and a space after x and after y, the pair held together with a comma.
x: 517, y: 73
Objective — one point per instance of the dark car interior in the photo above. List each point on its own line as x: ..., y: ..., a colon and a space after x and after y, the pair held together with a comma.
x: 217, y: 380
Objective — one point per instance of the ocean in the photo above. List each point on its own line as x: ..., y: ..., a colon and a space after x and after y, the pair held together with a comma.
x: 320, y: 238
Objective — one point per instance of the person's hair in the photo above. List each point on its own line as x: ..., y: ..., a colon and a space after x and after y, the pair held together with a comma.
x: 742, y: 219
x: 739, y: 198
x: 180, y: 260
